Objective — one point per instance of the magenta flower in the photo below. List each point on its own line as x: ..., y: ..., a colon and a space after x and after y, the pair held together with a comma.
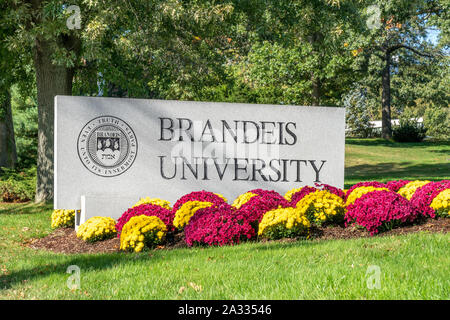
x: 375, y: 184
x: 380, y: 210
x: 424, y: 195
x: 254, y: 209
x: 204, y: 196
x: 148, y: 210
x: 331, y: 189
x: 395, y: 185
x: 217, y: 226
x: 296, y: 197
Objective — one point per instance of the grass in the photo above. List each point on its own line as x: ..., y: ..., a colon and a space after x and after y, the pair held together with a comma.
x: 378, y: 159
x: 414, y: 266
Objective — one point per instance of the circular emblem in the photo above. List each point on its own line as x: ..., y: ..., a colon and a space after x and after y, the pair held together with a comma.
x: 107, y: 146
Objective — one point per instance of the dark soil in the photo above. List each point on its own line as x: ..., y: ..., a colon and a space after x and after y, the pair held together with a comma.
x: 66, y: 241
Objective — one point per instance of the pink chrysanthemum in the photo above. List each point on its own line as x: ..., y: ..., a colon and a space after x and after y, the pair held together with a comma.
x: 380, y: 209
x: 424, y: 195
x: 217, y: 226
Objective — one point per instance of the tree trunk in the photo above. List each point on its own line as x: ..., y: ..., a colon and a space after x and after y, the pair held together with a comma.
x: 315, y: 90
x: 386, y: 129
x: 51, y: 80
x: 8, y: 154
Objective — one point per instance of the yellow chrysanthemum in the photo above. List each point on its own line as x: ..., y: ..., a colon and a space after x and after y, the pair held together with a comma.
x: 284, y: 222
x: 290, y: 193
x: 62, y: 218
x: 410, y: 188
x: 243, y: 199
x: 142, y: 231
x: 322, y: 206
x: 186, y: 211
x: 359, y: 192
x: 97, y: 228
x: 156, y: 201
x: 441, y: 203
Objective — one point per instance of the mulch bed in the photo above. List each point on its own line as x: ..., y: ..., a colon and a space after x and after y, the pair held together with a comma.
x: 66, y: 241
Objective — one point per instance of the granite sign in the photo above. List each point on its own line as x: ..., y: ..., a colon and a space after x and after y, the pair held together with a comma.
x: 109, y: 152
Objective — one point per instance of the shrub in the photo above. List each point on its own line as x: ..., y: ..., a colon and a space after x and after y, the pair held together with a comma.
x: 296, y: 194
x: 97, y: 229
x: 425, y: 194
x: 147, y: 210
x: 410, y: 188
x: 380, y: 210
x: 408, y: 131
x: 188, y: 205
x: 17, y: 186
x: 217, y: 226
x: 62, y: 218
x: 322, y: 206
x: 156, y: 201
x: 359, y: 192
x: 142, y: 232
x: 437, y: 121
x: 441, y: 203
x: 284, y: 223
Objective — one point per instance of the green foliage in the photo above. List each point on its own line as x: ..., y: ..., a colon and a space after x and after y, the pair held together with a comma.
x: 357, y: 114
x: 17, y: 185
x: 24, y: 108
x: 437, y: 120
x: 408, y: 131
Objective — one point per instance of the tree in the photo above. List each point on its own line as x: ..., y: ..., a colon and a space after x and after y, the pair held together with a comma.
x: 394, y: 26
x: 166, y: 43
x: 8, y: 154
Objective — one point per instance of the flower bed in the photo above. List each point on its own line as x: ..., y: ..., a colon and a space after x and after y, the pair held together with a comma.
x: 205, y: 218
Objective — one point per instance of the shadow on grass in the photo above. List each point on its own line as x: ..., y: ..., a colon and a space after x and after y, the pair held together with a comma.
x: 398, y: 170
x: 389, y: 143
x: 24, y: 208
x: 101, y: 262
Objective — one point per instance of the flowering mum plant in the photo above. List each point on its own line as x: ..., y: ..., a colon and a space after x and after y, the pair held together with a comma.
x: 284, y: 223
x: 62, y: 218
x: 322, y: 206
x: 374, y: 184
x: 395, y: 185
x: 410, y: 188
x: 254, y: 209
x: 380, y: 210
x: 424, y: 196
x: 296, y: 194
x: 187, y: 210
x: 201, y: 196
x: 97, y: 229
x: 243, y: 199
x: 441, y: 203
x: 142, y: 231
x: 156, y: 201
x: 217, y: 226
x: 147, y: 210
x: 356, y: 193
x: 188, y: 204
x: 331, y: 189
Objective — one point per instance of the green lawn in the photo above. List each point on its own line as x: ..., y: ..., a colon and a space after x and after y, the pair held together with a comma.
x: 415, y: 266
x: 377, y: 159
